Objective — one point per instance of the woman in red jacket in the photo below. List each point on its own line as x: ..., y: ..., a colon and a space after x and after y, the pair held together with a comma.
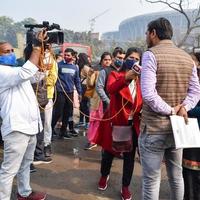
x: 124, y: 110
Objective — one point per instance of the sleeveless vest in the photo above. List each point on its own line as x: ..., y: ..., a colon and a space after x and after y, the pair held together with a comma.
x: 174, y: 69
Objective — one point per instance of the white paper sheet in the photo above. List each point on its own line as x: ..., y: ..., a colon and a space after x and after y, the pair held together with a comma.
x: 185, y: 135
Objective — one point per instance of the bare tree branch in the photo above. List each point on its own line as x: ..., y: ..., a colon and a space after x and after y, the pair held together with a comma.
x: 197, y: 15
x: 179, y: 8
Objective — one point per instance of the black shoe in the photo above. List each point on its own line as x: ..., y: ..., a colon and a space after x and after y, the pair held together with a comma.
x: 73, y: 133
x: 56, y: 132
x: 61, y: 134
x: 32, y: 168
x: 67, y: 136
x: 45, y: 160
x: 90, y: 146
x: 47, y: 151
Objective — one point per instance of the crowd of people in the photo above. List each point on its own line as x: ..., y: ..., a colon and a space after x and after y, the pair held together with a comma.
x: 131, y: 94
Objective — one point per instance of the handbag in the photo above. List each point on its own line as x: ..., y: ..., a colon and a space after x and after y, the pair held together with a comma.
x: 89, y: 92
x: 122, y: 138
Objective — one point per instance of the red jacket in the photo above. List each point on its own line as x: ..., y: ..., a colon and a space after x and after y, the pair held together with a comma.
x: 120, y: 96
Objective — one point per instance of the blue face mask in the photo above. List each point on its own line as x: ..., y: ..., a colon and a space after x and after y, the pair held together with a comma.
x: 9, y: 59
x: 118, y: 63
x: 129, y: 63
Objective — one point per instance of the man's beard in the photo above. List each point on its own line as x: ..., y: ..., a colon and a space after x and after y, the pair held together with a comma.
x: 149, y: 44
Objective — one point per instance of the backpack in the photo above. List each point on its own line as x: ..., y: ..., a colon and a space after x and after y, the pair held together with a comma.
x: 89, y: 90
x: 40, y: 90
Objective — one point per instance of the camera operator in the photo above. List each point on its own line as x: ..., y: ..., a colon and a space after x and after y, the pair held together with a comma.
x: 21, y: 120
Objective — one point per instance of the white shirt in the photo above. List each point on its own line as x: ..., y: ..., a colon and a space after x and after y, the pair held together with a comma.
x: 18, y: 105
x: 132, y: 89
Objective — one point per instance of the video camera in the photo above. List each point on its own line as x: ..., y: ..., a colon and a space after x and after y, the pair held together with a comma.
x: 56, y: 37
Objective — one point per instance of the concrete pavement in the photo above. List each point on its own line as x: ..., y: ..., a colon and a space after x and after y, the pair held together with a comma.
x: 69, y: 178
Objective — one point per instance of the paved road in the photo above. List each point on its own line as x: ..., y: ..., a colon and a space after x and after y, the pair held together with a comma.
x: 67, y: 179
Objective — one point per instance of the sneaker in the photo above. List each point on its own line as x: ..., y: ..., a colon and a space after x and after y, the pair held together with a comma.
x: 125, y: 193
x: 80, y: 124
x: 45, y: 160
x: 33, y: 196
x: 47, y: 151
x: 103, y: 183
x: 66, y: 136
x: 32, y: 168
x: 90, y: 146
x: 55, y: 132
x: 73, y: 133
x: 86, y: 126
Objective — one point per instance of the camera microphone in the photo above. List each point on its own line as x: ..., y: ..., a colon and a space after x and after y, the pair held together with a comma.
x: 136, y: 68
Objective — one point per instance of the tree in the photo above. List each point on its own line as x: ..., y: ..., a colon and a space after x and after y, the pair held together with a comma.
x: 9, y: 29
x: 180, y: 6
x: 6, y: 32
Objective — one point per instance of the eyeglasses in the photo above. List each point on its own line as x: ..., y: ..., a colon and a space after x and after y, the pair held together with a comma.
x: 6, y: 51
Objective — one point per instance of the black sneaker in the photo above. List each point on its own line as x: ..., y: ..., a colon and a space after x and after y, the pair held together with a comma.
x: 45, y: 160
x: 47, y: 151
x: 73, y: 133
x: 61, y: 134
x: 90, y: 146
x: 67, y: 136
x: 32, y: 168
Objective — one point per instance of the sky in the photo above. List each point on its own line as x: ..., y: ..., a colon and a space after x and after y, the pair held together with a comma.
x: 75, y: 14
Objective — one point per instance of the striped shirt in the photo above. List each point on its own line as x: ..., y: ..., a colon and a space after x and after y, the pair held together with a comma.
x: 149, y: 92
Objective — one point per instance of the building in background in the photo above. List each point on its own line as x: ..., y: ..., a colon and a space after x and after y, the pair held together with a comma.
x: 133, y: 29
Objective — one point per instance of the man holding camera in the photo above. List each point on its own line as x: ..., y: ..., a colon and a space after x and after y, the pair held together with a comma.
x: 21, y: 121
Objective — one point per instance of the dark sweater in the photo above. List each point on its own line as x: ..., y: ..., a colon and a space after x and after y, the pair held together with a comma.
x: 68, y: 75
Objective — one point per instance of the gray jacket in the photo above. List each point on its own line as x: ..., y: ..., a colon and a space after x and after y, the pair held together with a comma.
x: 100, y: 86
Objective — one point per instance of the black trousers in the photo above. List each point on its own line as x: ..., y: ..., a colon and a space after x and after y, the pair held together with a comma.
x: 84, y: 107
x: 39, y: 149
x: 192, y: 184
x: 128, y: 163
x: 63, y: 108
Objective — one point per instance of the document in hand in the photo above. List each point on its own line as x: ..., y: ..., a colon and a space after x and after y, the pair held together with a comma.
x: 185, y: 135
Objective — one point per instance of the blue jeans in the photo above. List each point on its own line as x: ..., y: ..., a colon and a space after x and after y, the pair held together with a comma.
x: 153, y: 148
x: 18, y: 155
